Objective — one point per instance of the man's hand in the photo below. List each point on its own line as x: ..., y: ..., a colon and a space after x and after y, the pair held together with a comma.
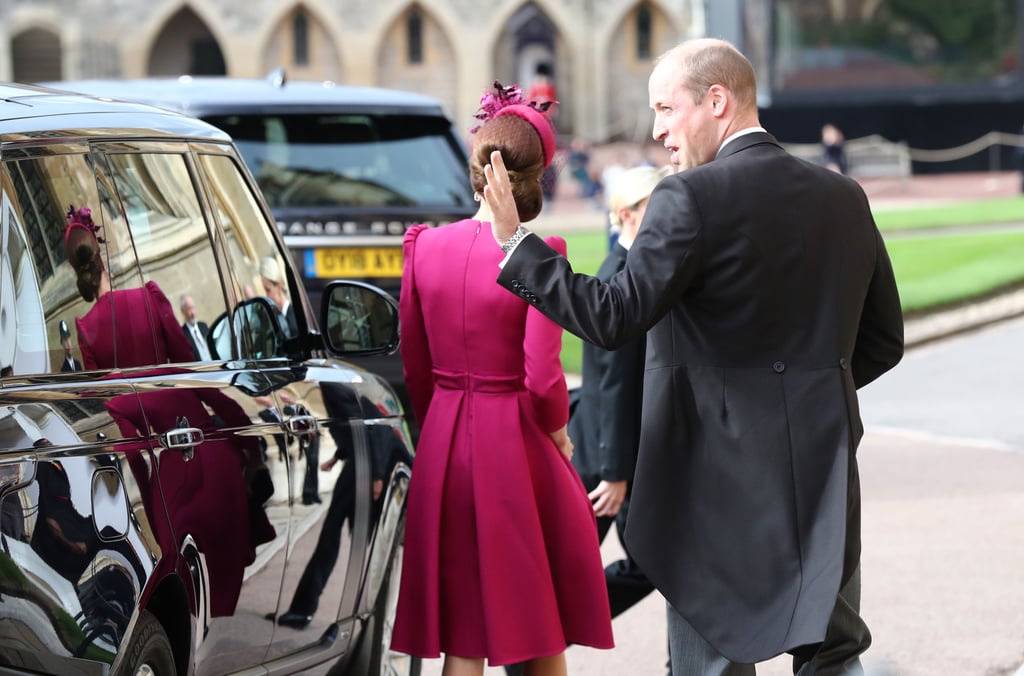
x: 608, y: 497
x: 499, y: 198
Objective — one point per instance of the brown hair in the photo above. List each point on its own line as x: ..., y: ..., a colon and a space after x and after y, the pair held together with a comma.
x: 84, y: 256
x: 523, y: 153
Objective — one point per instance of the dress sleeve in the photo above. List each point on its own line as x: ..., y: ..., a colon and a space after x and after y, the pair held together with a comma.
x: 545, y: 380
x: 178, y: 348
x: 417, y: 366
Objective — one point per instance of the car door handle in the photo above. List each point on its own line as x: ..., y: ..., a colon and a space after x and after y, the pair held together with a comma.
x: 301, y: 424
x: 182, y: 438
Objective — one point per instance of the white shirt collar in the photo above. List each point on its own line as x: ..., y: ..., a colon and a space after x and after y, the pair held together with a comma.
x: 625, y: 242
x: 741, y: 132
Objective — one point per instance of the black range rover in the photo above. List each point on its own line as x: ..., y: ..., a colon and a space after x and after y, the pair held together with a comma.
x: 175, y: 504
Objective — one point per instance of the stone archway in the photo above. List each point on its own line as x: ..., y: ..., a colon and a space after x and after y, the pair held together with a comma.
x: 643, y: 33
x: 185, y: 46
x: 36, y: 56
x: 530, y: 38
x: 417, y: 55
x: 301, y: 44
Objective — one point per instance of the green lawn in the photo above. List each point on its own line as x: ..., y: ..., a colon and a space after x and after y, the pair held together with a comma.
x: 977, y: 212
x: 932, y: 270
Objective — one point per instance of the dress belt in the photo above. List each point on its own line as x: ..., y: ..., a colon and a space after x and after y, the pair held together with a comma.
x: 476, y: 382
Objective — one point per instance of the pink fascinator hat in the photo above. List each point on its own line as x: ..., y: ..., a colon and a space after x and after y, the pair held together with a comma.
x: 80, y: 229
x: 509, y: 101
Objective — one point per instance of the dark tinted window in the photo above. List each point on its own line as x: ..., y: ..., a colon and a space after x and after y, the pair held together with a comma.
x: 351, y: 160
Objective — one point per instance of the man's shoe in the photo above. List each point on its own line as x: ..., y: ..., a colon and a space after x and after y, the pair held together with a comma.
x: 295, y: 620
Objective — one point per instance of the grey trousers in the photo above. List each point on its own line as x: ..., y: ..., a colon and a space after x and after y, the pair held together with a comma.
x: 846, y: 638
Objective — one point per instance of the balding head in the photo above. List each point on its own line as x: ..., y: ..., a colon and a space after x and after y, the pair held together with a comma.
x: 704, y: 62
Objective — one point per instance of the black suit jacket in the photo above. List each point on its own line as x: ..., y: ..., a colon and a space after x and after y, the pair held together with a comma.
x: 769, y: 298
x: 605, y: 425
x: 203, y: 329
x: 67, y: 367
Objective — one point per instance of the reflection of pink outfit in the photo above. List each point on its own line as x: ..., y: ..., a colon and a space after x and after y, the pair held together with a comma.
x: 144, y: 324
x: 501, y: 553
x: 206, y: 497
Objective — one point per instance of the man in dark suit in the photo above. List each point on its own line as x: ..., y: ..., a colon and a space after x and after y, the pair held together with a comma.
x: 605, y: 423
x: 194, y: 330
x: 69, y: 363
x: 769, y: 299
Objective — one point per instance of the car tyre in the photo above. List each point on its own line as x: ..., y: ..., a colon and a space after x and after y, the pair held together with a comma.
x: 149, y: 651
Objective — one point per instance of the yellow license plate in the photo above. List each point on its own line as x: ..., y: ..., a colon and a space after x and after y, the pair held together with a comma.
x: 356, y: 262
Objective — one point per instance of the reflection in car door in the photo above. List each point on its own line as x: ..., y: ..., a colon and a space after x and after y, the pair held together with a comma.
x: 328, y: 513
x: 217, y: 487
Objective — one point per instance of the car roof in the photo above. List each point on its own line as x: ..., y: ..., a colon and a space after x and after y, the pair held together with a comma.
x: 35, y: 112
x: 213, y: 95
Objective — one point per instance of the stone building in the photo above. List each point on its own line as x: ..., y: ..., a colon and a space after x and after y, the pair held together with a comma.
x: 600, y: 51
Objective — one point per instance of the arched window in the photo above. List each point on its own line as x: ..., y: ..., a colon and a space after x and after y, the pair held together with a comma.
x: 300, y: 38
x: 414, y: 35
x: 643, y: 33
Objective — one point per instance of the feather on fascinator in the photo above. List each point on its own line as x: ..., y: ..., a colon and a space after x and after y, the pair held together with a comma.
x: 508, y: 100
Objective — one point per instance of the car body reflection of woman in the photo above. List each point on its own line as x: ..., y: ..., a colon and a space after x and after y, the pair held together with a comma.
x: 207, y: 496
x: 494, y: 509
x: 145, y: 315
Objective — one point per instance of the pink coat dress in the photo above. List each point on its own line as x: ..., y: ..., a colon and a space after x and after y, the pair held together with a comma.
x: 143, y: 320
x: 502, y: 559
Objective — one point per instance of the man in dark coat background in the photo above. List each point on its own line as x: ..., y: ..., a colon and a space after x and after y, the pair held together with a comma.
x: 605, y: 422
x: 769, y: 299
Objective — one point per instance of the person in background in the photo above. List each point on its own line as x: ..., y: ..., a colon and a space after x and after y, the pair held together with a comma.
x: 833, y: 148
x: 762, y: 321
x: 273, y: 284
x: 493, y: 510
x: 193, y: 329
x: 69, y: 363
x: 605, y: 424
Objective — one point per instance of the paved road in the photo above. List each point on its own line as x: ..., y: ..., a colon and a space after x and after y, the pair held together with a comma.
x: 942, y: 471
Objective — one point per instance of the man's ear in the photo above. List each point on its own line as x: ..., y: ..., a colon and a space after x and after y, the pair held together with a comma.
x: 718, y: 96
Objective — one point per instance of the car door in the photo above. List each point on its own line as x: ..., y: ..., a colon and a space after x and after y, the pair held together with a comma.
x: 82, y: 527
x: 223, y: 482
x: 318, y: 403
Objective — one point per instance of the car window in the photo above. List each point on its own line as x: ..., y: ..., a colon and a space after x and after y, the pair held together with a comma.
x: 171, y: 241
x: 257, y: 266
x: 351, y: 160
x: 58, y: 273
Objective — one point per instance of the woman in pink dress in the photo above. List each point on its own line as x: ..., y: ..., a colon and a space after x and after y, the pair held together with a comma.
x: 131, y: 328
x: 145, y: 320
x: 502, y: 561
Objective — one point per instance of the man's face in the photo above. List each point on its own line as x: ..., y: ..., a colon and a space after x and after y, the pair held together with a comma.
x: 274, y: 291
x: 188, y: 309
x: 685, y: 128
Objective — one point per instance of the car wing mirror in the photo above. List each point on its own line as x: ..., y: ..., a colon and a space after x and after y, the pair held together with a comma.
x: 358, y: 319
x: 254, y: 332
